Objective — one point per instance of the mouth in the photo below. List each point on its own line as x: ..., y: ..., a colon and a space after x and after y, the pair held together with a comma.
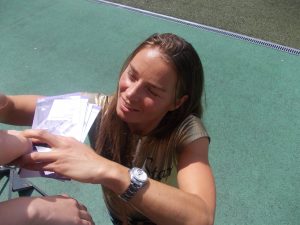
x: 127, y: 107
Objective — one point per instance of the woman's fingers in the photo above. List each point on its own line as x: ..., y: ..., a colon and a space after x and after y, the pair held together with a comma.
x: 42, y: 136
x: 35, y: 157
x: 37, y: 161
x: 38, y: 166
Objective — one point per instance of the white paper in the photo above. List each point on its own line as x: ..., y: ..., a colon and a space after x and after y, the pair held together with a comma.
x: 68, y: 115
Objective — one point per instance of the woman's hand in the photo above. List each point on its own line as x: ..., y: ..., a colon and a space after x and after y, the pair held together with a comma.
x: 51, y: 210
x: 68, y: 157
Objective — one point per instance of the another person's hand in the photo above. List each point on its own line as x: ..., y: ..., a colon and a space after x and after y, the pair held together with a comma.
x: 68, y: 157
x: 51, y: 210
x: 56, y: 210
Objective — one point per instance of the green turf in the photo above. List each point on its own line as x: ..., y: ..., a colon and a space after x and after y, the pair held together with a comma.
x: 252, y: 97
x: 271, y: 20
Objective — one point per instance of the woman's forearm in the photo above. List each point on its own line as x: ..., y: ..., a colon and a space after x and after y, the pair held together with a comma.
x: 164, y: 204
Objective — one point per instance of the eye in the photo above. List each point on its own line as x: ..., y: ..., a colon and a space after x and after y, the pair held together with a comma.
x: 131, y: 75
x: 152, y: 92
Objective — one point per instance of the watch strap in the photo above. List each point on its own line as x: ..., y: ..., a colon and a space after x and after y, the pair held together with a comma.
x: 133, y: 188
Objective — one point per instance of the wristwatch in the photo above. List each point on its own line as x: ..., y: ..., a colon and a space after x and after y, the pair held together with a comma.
x: 138, y: 179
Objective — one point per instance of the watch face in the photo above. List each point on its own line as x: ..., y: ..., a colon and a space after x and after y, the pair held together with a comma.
x: 139, y: 174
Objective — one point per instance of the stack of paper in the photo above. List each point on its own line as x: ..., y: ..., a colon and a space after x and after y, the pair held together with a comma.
x: 68, y: 115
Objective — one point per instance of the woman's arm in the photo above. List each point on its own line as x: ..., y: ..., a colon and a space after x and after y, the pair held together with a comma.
x: 192, y: 203
x: 13, y: 145
x: 18, y: 109
x: 58, y: 210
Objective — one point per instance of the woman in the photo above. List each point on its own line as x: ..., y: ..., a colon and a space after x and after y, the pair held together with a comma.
x: 147, y: 133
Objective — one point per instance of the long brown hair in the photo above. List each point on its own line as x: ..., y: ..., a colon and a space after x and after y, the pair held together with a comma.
x: 112, y: 136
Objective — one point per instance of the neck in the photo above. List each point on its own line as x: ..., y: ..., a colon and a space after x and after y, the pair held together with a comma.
x: 141, y: 130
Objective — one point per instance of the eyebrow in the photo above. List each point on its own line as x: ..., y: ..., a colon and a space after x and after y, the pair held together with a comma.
x: 151, y: 85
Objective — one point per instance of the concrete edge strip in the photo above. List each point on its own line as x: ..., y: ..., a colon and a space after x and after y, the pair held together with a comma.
x: 279, y: 47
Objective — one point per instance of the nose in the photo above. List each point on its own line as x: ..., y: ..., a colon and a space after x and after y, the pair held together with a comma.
x: 134, y: 91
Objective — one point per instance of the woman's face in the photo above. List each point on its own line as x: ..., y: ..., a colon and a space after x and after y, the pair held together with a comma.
x: 146, y: 91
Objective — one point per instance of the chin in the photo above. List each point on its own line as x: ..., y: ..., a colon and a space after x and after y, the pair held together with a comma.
x: 122, y: 116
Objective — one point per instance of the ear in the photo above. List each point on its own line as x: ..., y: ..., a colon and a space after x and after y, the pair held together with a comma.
x: 179, y: 102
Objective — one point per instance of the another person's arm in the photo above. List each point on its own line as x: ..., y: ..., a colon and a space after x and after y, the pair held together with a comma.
x: 18, y: 109
x: 13, y: 145
x: 54, y: 210
x: 58, y: 210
